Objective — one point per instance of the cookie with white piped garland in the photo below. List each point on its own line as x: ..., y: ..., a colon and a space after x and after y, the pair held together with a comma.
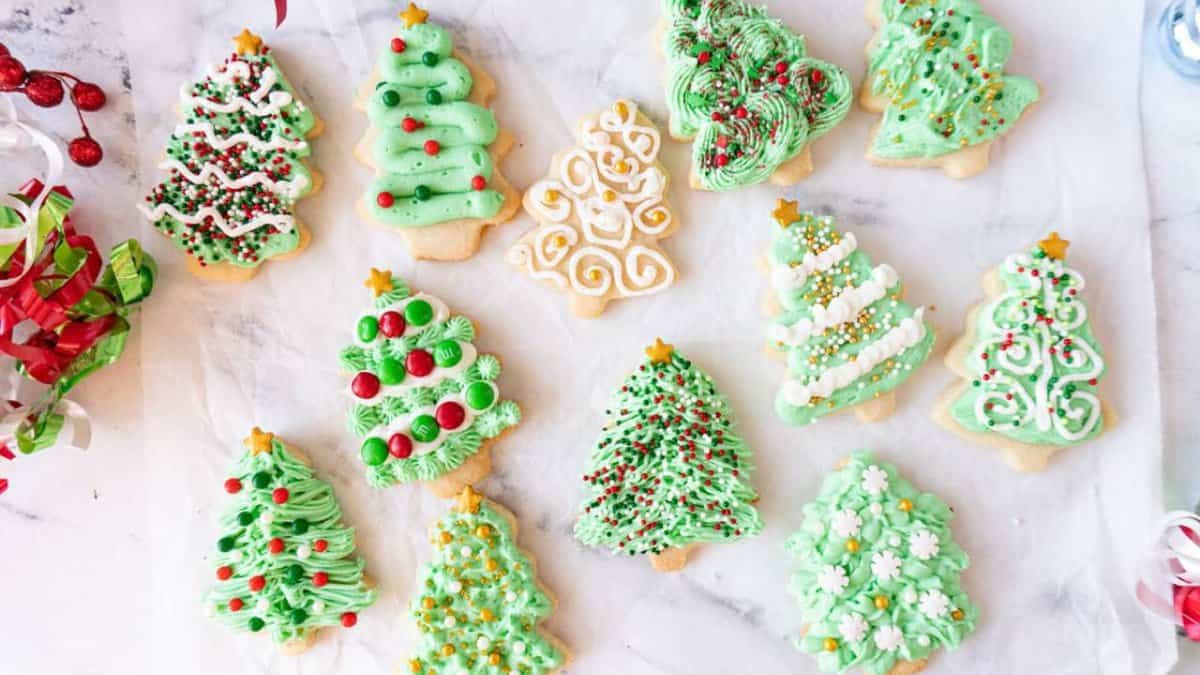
x: 237, y: 165
x: 434, y: 144
x: 1029, y: 361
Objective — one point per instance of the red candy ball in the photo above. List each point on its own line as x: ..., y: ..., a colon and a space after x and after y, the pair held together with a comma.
x: 432, y: 147
x: 364, y: 385
x: 44, y: 90
x: 12, y: 72
x: 398, y: 45
x: 392, y: 324
x: 275, y: 546
x: 450, y: 415
x: 236, y: 604
x: 478, y: 183
x: 85, y: 151
x: 320, y: 545
x: 233, y: 486
x: 257, y: 582
x: 410, y: 125
x: 741, y: 112
x: 349, y: 619
x: 88, y: 96
x: 419, y: 363
x: 280, y: 495
x: 224, y: 572
x: 385, y: 200
x: 817, y: 76
x: 722, y: 159
x: 320, y: 579
x: 400, y: 446
x: 781, y: 67
x: 782, y: 80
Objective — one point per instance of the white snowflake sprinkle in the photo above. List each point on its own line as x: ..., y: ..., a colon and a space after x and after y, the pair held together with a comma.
x: 832, y: 579
x: 845, y: 523
x: 934, y: 604
x: 923, y: 544
x: 853, y: 628
x: 889, y: 638
x: 874, y: 480
x: 885, y: 566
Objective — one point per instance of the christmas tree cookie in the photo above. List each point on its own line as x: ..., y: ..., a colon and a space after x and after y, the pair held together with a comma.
x: 848, y: 337
x: 425, y: 400
x: 285, y: 561
x: 480, y: 602
x: 433, y: 143
x: 936, y: 72
x: 602, y: 210
x: 236, y: 167
x: 1029, y: 361
x: 879, y: 577
x: 744, y: 88
x: 669, y: 471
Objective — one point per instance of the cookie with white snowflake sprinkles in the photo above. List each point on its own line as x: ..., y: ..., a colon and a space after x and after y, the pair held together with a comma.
x: 879, y: 573
x: 1029, y: 362
x: 236, y: 167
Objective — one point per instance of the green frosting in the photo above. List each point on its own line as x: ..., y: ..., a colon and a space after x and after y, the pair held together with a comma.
x: 313, y: 581
x: 1035, y: 363
x: 743, y: 85
x: 235, y: 168
x: 847, y: 335
x: 941, y: 64
x: 406, y: 405
x: 479, y: 604
x: 421, y: 98
x: 669, y: 469
x: 879, y: 575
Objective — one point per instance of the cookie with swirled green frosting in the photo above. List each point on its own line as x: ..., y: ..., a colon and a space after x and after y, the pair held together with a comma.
x: 1029, y: 361
x: 743, y: 88
x: 936, y: 70
x: 434, y: 144
x: 879, y: 573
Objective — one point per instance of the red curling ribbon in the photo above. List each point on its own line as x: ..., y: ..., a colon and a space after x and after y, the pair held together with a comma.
x: 1187, y: 610
x: 280, y: 12
x: 1170, y: 583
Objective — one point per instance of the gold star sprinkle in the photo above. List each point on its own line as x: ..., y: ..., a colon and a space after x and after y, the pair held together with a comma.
x: 379, y: 282
x: 258, y: 441
x: 468, y: 500
x: 246, y: 42
x: 413, y: 15
x: 660, y: 352
x: 785, y: 212
x: 1054, y: 246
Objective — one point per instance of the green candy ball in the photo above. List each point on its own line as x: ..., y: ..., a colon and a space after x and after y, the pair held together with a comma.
x: 256, y: 624
x: 433, y: 97
x: 422, y: 193
x: 245, y: 518
x: 226, y: 544
x: 293, y: 574
x: 430, y: 59
x: 480, y: 395
x: 261, y: 480
x: 299, y: 616
x: 447, y: 353
x: 425, y: 428
x: 374, y: 451
x: 300, y: 525
x: 391, y: 371
x: 368, y: 328
x: 418, y: 313
x: 390, y: 98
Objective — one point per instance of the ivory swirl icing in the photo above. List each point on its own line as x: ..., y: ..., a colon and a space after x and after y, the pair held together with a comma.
x: 480, y: 603
x: 284, y: 561
x: 235, y: 165
x: 940, y: 66
x: 430, y: 149
x: 846, y: 333
x: 602, y: 210
x: 743, y: 86
x: 424, y: 399
x: 879, y: 576
x: 1034, y: 362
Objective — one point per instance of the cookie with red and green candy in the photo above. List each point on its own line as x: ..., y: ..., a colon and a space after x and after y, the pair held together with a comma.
x: 285, y: 560
x: 668, y: 472
x: 742, y: 85
x: 879, y: 577
x: 425, y: 401
x: 236, y: 167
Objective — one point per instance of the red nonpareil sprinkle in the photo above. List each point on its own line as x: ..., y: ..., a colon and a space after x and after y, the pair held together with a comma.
x: 349, y: 619
x: 280, y: 495
x: 432, y: 147
x: 410, y: 125
x: 236, y: 604
x: 224, y: 572
x: 478, y: 183
x: 233, y: 486
x: 704, y: 57
x: 320, y: 545
x: 275, y: 546
x: 398, y: 45
x: 257, y: 582
x: 320, y: 579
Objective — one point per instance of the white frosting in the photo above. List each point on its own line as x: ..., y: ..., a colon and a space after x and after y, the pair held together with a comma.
x: 225, y: 75
x: 403, y: 423
x: 252, y: 141
x: 469, y: 356
x: 283, y: 222
x: 786, y: 277
x: 909, y: 332
x: 288, y: 188
x: 845, y: 307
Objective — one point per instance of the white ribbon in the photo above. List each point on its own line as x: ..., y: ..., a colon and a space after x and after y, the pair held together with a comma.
x: 15, y: 135
x: 1174, y: 561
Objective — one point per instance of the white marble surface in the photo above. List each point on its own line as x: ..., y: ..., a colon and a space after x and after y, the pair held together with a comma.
x: 104, y: 553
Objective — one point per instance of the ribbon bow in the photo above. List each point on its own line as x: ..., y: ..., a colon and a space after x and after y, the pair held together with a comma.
x: 1175, y: 563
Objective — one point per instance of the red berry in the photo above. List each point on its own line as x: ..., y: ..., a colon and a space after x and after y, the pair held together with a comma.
x: 398, y: 45
x: 85, y: 151
x: 233, y: 486
x: 419, y: 363
x: 722, y: 160
x: 817, y: 76
x: 44, y: 90
x: 349, y: 619
x: 364, y: 385
x: 320, y: 579
x: 280, y: 495
x: 432, y: 147
x: 410, y: 125
x: 224, y: 572
x: 385, y: 200
x: 400, y: 446
x: 88, y: 96
x: 478, y: 183
x: 12, y: 73
x: 236, y: 604
x: 741, y: 112
x: 392, y: 324
x: 257, y: 582
x: 450, y: 415
x: 275, y: 546
x: 320, y: 545
x: 782, y: 80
